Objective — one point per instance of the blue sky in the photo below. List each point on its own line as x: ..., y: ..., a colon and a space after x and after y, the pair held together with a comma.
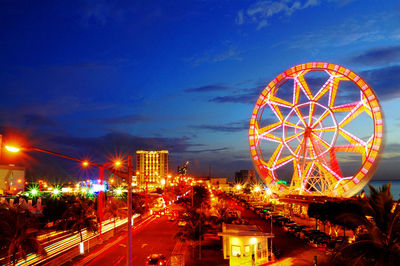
x: 91, y: 78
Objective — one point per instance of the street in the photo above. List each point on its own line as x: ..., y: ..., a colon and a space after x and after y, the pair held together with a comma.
x: 155, y: 236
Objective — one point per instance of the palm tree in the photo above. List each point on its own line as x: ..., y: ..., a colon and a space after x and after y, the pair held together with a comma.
x: 380, y: 244
x: 80, y: 215
x: 114, y: 209
x: 18, y: 233
x: 220, y: 211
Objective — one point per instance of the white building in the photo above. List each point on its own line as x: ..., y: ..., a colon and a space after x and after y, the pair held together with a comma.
x: 245, y: 245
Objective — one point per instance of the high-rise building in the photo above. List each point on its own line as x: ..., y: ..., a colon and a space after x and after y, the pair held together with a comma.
x: 151, y: 167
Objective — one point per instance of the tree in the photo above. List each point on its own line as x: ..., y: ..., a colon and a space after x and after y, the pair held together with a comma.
x: 220, y: 211
x: 380, y: 244
x: 18, y: 233
x: 201, y: 195
x: 115, y: 208
x: 54, y: 209
x: 80, y: 215
x: 194, y: 230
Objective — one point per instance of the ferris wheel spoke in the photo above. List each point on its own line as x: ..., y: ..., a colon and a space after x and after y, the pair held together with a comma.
x: 356, y: 111
x: 322, y: 141
x: 293, y: 137
x: 350, y: 148
x: 326, y: 129
x: 303, y: 86
x: 367, y: 108
x: 311, y: 113
x: 320, y: 118
x: 290, y: 124
x: 280, y: 102
x: 327, y: 168
x: 296, y: 93
x: 269, y: 128
x: 344, y: 107
x: 334, y: 85
x: 275, y: 109
x: 300, y: 115
x: 351, y: 138
x: 283, y: 162
x: 270, y: 137
x: 324, y: 89
x: 273, y: 159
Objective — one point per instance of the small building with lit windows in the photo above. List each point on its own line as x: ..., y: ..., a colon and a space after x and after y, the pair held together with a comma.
x: 151, y: 167
x: 246, y: 244
x: 12, y: 179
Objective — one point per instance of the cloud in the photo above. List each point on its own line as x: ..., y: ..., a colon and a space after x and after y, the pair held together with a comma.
x: 127, y: 119
x: 124, y: 142
x: 378, y: 55
x: 259, y: 12
x: 384, y: 81
x: 212, y: 56
x: 229, y: 127
x: 101, y: 12
x: 207, y: 150
x: 33, y: 120
x: 248, y: 97
x: 366, y: 29
x: 208, y: 88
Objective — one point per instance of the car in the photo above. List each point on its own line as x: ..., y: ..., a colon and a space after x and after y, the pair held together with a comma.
x: 156, y: 259
x: 171, y: 218
x: 182, y: 223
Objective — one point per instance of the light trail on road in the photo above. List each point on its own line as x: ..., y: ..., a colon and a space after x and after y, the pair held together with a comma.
x: 70, y: 241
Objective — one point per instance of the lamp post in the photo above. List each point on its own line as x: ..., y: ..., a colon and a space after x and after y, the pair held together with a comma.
x: 129, y: 179
x: 100, y: 198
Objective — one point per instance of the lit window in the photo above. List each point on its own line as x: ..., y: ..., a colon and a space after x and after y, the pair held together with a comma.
x: 236, y: 251
x: 246, y: 251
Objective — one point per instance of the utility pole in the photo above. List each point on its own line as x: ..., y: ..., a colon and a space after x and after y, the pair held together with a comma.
x: 129, y: 246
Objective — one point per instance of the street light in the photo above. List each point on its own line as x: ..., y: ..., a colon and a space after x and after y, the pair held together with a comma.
x: 12, y: 149
x: 101, y: 194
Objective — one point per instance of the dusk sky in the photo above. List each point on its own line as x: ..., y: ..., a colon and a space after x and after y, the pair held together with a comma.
x: 94, y: 78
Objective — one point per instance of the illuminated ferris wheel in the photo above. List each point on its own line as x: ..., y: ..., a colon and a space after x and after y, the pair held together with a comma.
x: 316, y: 129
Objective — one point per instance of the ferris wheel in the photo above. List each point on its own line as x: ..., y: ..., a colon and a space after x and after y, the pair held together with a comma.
x: 316, y: 129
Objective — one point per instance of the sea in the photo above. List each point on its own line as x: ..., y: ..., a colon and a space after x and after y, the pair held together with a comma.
x: 395, y: 188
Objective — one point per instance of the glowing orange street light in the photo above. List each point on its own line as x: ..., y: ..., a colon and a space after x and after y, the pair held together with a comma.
x: 12, y: 149
x: 85, y: 163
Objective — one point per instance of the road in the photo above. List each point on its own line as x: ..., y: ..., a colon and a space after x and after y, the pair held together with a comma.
x: 156, y: 236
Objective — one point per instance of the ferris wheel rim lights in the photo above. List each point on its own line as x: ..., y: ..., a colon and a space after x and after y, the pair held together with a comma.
x: 368, y: 103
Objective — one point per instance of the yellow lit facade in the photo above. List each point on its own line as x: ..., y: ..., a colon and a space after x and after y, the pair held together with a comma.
x: 151, y: 167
